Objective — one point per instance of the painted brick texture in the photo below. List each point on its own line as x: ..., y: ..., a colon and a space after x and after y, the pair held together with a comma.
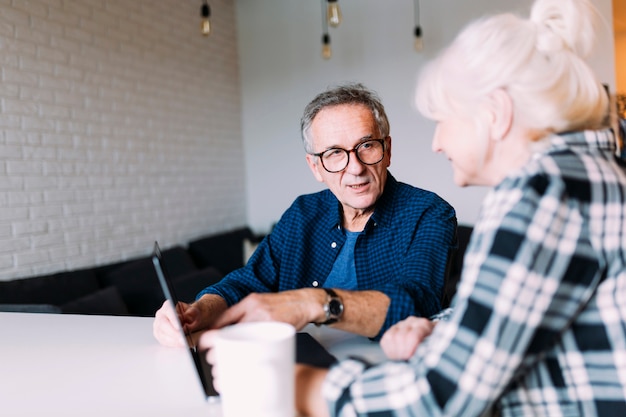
x: 120, y: 124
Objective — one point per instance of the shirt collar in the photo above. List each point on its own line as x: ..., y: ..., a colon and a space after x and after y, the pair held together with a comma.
x: 601, y: 140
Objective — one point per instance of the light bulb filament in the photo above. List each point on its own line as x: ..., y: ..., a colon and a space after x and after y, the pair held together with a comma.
x: 205, y: 27
x: 333, y: 13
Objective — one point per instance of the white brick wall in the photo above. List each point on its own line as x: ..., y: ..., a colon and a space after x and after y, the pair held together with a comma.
x: 119, y: 125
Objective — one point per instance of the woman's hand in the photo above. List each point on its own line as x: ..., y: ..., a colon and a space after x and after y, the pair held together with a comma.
x: 400, y: 341
x: 309, y: 400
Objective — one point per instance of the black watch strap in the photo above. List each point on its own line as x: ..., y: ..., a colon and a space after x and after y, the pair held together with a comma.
x: 333, y: 307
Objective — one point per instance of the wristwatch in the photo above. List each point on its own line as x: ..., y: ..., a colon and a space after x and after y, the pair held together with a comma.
x: 333, y: 307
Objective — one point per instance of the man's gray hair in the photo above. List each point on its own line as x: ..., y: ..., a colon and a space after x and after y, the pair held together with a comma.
x: 353, y: 94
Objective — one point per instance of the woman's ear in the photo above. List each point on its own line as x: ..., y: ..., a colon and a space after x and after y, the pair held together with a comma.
x: 501, y: 108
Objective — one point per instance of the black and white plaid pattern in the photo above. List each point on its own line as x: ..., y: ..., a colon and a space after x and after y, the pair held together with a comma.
x: 539, y: 323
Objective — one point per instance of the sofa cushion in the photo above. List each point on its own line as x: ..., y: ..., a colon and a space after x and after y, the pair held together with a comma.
x: 454, y: 273
x: 106, y: 301
x: 188, y: 286
x: 53, y: 289
x: 30, y: 308
x: 223, y: 251
x: 138, y: 284
x: 178, y: 262
x: 464, y: 234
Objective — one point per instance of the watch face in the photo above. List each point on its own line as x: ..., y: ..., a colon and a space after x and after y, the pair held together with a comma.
x: 335, y: 307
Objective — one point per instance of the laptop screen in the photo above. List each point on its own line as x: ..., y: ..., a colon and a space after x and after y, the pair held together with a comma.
x: 203, y: 368
x: 308, y: 350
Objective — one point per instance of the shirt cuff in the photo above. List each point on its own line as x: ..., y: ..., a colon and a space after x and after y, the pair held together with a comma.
x: 443, y: 315
x: 336, y: 387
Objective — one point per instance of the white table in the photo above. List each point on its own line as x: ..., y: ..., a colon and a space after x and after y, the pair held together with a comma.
x: 79, y: 365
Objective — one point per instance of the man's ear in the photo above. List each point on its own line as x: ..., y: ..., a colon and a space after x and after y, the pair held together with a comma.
x: 388, y: 150
x: 312, y: 163
x: 500, y: 106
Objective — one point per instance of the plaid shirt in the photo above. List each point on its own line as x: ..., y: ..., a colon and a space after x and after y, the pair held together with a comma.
x: 539, y: 323
x: 403, y: 251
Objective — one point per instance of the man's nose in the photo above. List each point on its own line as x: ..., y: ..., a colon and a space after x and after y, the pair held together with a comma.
x: 354, y: 164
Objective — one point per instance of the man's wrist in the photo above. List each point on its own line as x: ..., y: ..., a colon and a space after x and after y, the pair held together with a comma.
x: 333, y: 307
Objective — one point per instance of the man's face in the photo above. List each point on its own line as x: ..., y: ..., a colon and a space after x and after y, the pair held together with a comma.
x: 358, y: 186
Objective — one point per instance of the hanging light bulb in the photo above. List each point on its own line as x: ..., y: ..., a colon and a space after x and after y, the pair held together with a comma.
x: 418, y: 43
x: 333, y: 13
x: 205, y: 26
x: 326, y: 51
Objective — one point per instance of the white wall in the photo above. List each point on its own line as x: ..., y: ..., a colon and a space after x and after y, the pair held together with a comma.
x: 119, y: 125
x: 281, y: 70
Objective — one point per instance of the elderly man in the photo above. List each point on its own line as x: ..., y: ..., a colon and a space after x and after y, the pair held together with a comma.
x: 360, y: 256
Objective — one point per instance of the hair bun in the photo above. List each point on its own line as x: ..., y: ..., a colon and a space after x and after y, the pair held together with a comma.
x: 548, y: 41
x: 564, y: 24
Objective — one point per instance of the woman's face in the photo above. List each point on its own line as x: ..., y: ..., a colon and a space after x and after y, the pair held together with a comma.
x: 466, y: 147
x: 483, y: 145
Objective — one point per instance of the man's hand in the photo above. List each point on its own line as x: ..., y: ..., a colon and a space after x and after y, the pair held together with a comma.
x: 196, y: 316
x: 296, y: 307
x: 400, y: 341
x: 166, y: 327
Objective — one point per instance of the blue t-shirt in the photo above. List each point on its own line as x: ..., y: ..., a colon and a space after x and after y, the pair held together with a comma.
x: 343, y: 274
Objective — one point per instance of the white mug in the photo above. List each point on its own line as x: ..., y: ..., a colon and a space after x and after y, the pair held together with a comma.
x: 255, y: 364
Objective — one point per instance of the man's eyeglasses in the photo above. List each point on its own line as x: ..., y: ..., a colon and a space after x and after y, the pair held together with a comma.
x: 368, y: 152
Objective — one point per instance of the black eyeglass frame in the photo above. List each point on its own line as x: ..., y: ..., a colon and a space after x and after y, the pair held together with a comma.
x: 356, y: 153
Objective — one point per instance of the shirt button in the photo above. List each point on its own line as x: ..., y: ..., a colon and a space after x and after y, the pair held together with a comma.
x: 315, y: 283
x: 333, y: 245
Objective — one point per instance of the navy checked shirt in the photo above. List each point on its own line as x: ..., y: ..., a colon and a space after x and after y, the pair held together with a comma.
x: 539, y: 323
x: 403, y: 251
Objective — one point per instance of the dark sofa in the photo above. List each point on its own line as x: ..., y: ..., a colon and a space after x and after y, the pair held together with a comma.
x: 129, y: 287
x: 463, y: 234
x: 132, y: 288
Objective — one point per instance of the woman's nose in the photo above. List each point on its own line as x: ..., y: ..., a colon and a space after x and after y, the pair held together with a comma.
x: 435, y: 145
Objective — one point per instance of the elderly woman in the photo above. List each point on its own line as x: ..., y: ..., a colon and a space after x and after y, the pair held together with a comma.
x: 539, y: 323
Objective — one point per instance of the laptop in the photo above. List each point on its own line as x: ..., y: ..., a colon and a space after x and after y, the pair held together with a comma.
x: 203, y: 368
x: 308, y: 350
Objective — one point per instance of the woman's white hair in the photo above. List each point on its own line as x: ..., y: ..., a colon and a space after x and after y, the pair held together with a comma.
x: 539, y: 61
